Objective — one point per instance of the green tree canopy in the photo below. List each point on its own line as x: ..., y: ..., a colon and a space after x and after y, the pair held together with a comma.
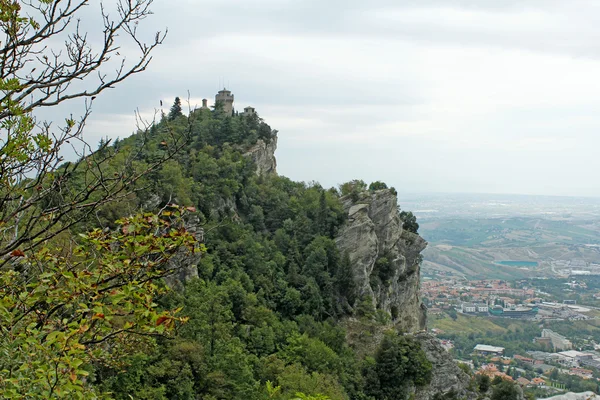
x: 409, y: 221
x: 377, y: 185
x: 176, y: 110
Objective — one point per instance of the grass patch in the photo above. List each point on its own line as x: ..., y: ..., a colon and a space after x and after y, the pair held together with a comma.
x: 465, y: 324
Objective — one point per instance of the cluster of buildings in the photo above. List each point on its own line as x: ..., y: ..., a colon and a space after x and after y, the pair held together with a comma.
x: 540, y: 311
x: 481, y: 294
x: 497, y: 299
x: 567, y: 362
x: 509, y: 311
x: 470, y: 308
x: 575, y: 267
x: 226, y: 99
x: 514, y: 311
x: 554, y: 340
x: 485, y: 350
x: 492, y: 371
x: 487, y: 297
x: 477, y: 291
x: 571, y: 362
x: 568, y: 358
x: 537, y: 381
x: 565, y: 311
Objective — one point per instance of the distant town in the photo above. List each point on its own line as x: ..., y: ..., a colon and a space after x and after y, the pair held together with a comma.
x: 497, y: 298
x: 536, y: 357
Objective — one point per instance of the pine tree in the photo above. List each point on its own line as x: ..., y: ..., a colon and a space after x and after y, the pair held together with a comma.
x: 322, y: 214
x: 175, y: 109
x: 409, y: 221
x: 505, y: 391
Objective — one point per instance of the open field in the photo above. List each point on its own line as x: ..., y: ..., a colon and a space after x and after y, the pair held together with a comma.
x: 472, y: 324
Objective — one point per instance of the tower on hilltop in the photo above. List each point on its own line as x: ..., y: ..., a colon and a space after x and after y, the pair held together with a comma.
x: 226, y: 98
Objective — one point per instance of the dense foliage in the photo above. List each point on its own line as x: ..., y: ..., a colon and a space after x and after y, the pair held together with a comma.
x: 84, y: 245
x: 504, y: 391
x: 70, y: 301
x: 398, y: 359
x: 264, y: 311
x: 64, y: 309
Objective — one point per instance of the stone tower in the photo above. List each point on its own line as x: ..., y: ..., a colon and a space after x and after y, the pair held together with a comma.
x: 226, y: 98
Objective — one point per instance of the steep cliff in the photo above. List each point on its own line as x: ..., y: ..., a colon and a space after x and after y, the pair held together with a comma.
x: 447, y: 377
x: 185, y: 264
x: 263, y: 155
x: 575, y: 396
x: 385, y: 258
x: 386, y: 261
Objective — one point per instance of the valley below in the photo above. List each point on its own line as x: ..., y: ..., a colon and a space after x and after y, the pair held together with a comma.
x: 508, y: 236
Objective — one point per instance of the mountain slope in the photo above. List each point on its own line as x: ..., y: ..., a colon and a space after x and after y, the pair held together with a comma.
x: 287, y: 263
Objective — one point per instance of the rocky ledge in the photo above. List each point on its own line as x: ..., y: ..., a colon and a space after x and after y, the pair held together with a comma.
x: 263, y: 155
x: 385, y: 258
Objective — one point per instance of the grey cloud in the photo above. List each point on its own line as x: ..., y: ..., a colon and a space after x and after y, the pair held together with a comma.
x: 383, y: 107
x: 203, y: 22
x: 350, y: 19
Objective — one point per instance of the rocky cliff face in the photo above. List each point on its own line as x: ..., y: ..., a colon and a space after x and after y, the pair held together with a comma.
x: 385, y: 258
x: 447, y: 377
x: 575, y: 396
x: 263, y: 155
x: 386, y: 263
x: 184, y: 265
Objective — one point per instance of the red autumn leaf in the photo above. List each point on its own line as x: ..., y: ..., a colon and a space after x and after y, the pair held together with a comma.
x: 99, y: 316
x: 161, y: 320
x: 17, y: 253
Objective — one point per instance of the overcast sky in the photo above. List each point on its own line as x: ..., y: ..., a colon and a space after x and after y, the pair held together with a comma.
x: 490, y: 96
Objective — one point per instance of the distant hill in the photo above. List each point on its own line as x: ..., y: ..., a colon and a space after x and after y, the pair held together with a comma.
x: 469, y: 235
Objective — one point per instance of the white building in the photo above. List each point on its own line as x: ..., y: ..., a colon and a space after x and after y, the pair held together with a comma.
x: 558, y: 341
x: 468, y: 308
x: 485, y: 350
x: 572, y: 357
x: 482, y: 308
x: 249, y: 111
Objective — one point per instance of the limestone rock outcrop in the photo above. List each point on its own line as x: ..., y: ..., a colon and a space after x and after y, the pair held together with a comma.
x: 386, y: 262
x: 385, y: 258
x: 447, y: 377
x: 263, y: 155
x: 184, y: 265
x: 575, y: 396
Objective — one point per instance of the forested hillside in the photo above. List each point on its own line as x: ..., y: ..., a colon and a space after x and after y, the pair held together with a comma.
x: 271, y: 288
x: 175, y: 263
